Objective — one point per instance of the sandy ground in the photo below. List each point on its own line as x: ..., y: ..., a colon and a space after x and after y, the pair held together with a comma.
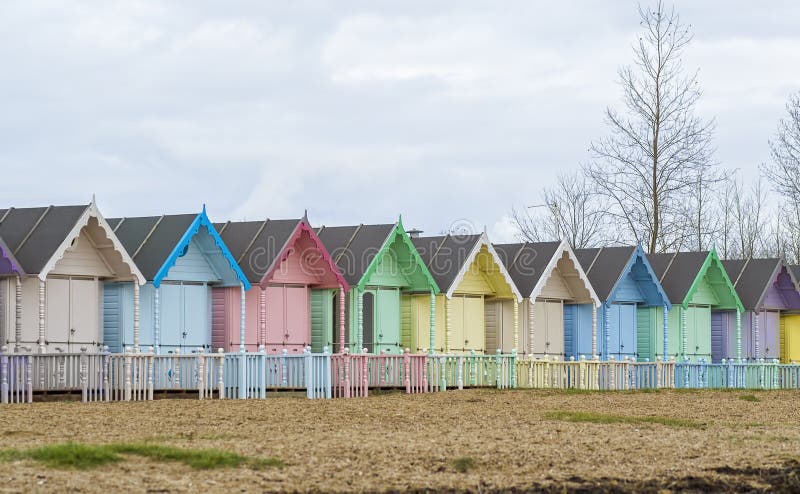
x: 395, y: 442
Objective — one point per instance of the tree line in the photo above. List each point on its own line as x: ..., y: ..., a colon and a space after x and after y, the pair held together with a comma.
x: 653, y: 178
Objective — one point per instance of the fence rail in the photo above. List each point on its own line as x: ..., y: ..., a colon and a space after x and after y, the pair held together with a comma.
x: 594, y: 374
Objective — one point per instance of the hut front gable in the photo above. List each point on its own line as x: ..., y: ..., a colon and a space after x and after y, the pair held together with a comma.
x: 92, y: 249
x: 713, y: 287
x: 201, y: 255
x: 484, y: 277
x: 639, y: 284
x: 782, y: 293
x: 567, y: 282
x: 305, y: 261
x: 399, y: 265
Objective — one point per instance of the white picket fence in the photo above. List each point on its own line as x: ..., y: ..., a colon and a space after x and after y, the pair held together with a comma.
x: 552, y: 373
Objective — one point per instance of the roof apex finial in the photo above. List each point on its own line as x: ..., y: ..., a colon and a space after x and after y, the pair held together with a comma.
x: 94, y: 199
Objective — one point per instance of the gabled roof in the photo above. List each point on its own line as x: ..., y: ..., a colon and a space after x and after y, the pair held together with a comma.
x: 607, y: 266
x: 753, y: 278
x: 357, y: 250
x: 39, y: 237
x: 680, y: 274
x: 604, y: 267
x: 156, y: 242
x: 449, y: 257
x: 445, y: 255
x: 260, y: 246
x: 526, y: 262
x: 531, y: 263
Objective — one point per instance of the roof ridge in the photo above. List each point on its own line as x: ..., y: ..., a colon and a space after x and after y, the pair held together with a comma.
x: 33, y: 229
x: 147, y: 237
x: 516, y: 257
x: 596, y: 256
x: 669, y: 265
x: 253, y: 240
x: 444, y: 239
x: 8, y: 211
x: 741, y: 272
x: 350, y: 241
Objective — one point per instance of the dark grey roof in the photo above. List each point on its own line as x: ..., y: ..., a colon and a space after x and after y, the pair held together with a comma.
x: 734, y: 268
x: 757, y: 275
x: 445, y: 256
x: 256, y: 244
x: 354, y: 247
x: 795, y: 269
x: 34, y: 234
x: 604, y: 267
x: 150, y: 240
x: 526, y: 262
x: 681, y: 270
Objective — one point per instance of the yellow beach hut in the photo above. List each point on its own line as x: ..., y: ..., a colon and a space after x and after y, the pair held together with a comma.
x: 477, y: 293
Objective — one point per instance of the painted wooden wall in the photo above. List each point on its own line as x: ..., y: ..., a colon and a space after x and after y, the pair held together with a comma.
x: 723, y: 335
x: 578, y: 330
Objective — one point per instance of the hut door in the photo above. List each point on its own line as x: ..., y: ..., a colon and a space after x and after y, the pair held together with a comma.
x: 769, y: 329
x: 387, y: 321
x: 555, y: 327
x: 297, y: 324
x: 195, y: 316
x: 368, y: 311
x: 474, y: 329
x: 627, y: 330
x: 73, y: 313
x: 719, y: 336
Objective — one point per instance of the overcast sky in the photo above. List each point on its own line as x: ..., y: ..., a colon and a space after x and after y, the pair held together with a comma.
x: 357, y: 111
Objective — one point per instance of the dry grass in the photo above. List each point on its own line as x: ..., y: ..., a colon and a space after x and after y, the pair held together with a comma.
x: 459, y: 441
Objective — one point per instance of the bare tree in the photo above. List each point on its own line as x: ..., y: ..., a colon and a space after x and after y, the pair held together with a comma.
x: 784, y: 174
x: 784, y: 171
x: 745, y: 222
x: 702, y: 218
x: 658, y: 147
x: 570, y: 210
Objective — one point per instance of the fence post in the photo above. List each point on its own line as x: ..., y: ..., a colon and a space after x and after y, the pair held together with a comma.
x: 327, y: 372
x: 407, y: 370
x: 83, y: 370
x: 29, y: 375
x: 776, y: 369
x: 127, y: 392
x: 262, y: 375
x: 474, y: 371
x: 284, y: 369
x: 582, y: 372
x: 309, y: 371
x: 151, y: 363
x: 242, y: 356
x: 442, y: 376
x: 4, y: 373
x: 498, y: 369
x: 176, y: 370
x: 382, y: 368
x: 364, y: 372
x: 513, y: 368
x: 346, y: 359
x: 221, y: 373
x: 460, y: 372
x: 426, y: 362
x: 201, y: 369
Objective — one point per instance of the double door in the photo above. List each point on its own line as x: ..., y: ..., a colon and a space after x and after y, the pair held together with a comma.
x: 548, y: 328
x: 621, y: 331
x: 381, y: 313
x: 185, y: 316
x: 72, y: 313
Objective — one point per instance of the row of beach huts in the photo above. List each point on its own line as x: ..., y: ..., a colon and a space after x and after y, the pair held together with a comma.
x: 127, y: 308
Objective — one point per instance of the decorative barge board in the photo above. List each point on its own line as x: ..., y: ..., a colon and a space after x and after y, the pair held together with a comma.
x: 479, y: 308
x: 11, y: 274
x: 294, y: 281
x: 696, y: 283
x: 767, y: 289
x: 549, y: 275
x: 383, y: 269
x: 182, y: 257
x: 629, y: 291
x: 63, y: 255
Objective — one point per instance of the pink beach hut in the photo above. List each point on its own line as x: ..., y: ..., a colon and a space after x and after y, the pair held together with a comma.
x: 286, y: 263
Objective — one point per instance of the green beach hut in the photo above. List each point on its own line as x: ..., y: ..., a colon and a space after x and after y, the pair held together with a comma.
x: 696, y: 283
